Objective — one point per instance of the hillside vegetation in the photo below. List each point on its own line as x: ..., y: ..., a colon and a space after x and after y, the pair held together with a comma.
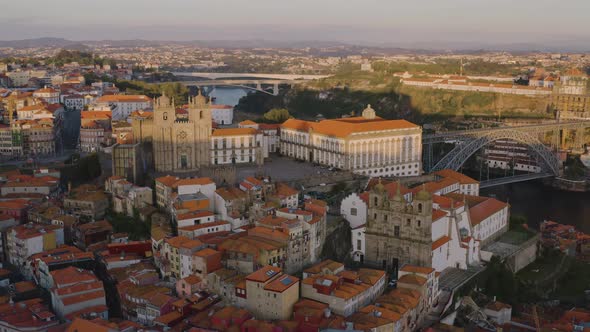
x: 349, y: 92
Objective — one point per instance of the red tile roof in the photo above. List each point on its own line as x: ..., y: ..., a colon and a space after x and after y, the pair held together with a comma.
x: 440, y: 242
x: 264, y: 274
x: 417, y: 269
x: 281, y: 283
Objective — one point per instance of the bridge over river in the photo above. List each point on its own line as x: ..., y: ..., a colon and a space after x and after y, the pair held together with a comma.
x: 468, y: 142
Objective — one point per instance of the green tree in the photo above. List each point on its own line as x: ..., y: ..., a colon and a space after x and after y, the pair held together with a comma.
x: 517, y: 222
x: 276, y: 115
x: 500, y: 281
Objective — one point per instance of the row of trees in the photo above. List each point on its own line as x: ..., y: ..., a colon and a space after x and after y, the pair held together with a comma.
x: 81, y: 57
x: 172, y: 89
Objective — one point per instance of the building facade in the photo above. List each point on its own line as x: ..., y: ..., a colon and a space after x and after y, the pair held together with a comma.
x: 181, y: 144
x: 366, y: 145
x: 123, y: 105
x: 236, y: 146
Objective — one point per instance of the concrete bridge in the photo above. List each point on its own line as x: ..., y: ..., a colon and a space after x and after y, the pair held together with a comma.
x: 255, y: 85
x: 468, y: 142
x: 216, y: 76
x: 249, y: 81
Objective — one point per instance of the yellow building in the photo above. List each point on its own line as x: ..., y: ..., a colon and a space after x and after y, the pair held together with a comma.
x: 271, y: 294
x: 171, y: 255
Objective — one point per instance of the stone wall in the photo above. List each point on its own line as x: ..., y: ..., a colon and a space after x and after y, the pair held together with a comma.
x: 526, y: 254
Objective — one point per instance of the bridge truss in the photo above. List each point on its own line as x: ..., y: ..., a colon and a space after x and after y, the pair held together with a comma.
x: 469, y: 142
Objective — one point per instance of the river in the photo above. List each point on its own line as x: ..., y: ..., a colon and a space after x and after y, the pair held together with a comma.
x: 227, y: 96
x: 537, y: 202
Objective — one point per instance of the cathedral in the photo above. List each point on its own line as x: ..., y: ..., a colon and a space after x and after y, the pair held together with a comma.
x: 181, y: 143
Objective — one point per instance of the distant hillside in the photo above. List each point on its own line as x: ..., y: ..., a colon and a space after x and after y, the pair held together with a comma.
x: 37, y: 42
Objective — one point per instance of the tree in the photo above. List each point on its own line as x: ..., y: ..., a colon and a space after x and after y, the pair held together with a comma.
x: 276, y: 115
x: 517, y: 222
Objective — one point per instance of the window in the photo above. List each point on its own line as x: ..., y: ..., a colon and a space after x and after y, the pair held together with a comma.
x: 358, y: 244
x: 396, y: 231
x: 353, y: 212
x: 419, y: 223
x: 408, y: 222
x: 420, y: 207
x: 375, y: 200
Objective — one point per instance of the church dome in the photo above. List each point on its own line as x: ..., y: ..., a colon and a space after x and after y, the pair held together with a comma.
x: 369, y: 113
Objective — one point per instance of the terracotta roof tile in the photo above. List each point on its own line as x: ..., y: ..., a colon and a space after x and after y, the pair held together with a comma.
x: 440, y: 242
x: 234, y: 132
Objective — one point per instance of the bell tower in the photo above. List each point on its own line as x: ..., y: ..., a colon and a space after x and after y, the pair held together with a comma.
x: 163, y: 140
x: 164, y: 111
x: 199, y: 109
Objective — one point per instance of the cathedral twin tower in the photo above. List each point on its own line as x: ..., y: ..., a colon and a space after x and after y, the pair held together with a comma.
x: 181, y: 143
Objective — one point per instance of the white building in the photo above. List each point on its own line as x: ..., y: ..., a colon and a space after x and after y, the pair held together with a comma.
x: 358, y: 243
x: 489, y: 217
x: 25, y: 240
x: 461, y: 223
x: 194, y: 218
x: 271, y: 142
x: 77, y: 101
x: 236, y: 146
x: 197, y: 230
x: 50, y: 95
x: 205, y: 186
x: 510, y: 155
x: 75, y: 290
x: 366, y: 145
x: 123, y: 105
x: 222, y: 114
x: 467, y: 185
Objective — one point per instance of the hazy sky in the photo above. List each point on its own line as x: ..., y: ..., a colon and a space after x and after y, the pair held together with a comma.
x: 388, y: 21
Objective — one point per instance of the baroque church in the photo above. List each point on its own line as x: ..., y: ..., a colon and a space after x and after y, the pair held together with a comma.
x: 181, y: 143
x: 398, y: 232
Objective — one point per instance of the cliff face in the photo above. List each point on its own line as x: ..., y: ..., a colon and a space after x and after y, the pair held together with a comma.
x: 337, y: 246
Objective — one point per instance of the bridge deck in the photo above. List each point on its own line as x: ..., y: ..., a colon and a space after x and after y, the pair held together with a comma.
x: 513, y: 179
x: 541, y: 127
x: 250, y: 75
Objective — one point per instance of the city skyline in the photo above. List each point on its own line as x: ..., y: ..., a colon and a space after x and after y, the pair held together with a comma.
x: 424, y: 24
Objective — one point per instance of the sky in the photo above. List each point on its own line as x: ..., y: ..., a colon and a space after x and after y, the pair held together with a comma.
x: 390, y: 22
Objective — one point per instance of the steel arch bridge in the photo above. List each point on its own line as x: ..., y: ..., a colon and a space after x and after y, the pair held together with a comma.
x: 468, y: 142
x: 466, y: 148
